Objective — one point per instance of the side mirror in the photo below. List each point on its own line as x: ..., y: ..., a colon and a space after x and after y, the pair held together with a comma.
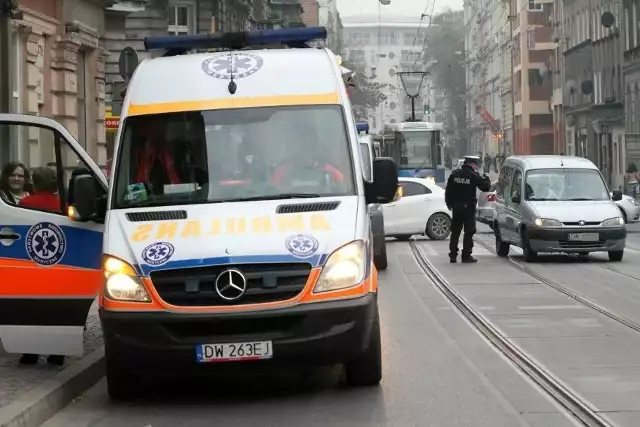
x: 84, y: 203
x: 516, y: 199
x: 385, y: 181
x: 617, y: 195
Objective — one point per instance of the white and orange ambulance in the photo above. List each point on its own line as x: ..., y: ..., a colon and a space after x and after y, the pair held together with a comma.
x: 236, y: 231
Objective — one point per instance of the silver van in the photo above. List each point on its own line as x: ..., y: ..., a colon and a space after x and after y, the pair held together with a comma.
x: 556, y: 204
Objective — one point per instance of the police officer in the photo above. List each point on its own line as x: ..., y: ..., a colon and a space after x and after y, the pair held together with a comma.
x: 460, y: 197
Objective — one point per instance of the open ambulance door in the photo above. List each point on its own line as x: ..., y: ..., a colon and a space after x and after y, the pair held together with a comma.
x: 50, y: 266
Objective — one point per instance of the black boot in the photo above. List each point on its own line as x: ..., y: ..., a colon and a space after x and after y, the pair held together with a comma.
x: 29, y: 359
x: 56, y: 360
x: 468, y: 259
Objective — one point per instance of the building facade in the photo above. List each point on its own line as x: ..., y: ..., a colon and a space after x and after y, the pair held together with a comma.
x: 594, y: 86
x: 486, y: 61
x: 58, y: 70
x: 630, y: 37
x: 380, y: 49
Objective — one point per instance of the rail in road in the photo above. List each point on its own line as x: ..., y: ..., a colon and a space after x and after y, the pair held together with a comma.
x: 559, y: 391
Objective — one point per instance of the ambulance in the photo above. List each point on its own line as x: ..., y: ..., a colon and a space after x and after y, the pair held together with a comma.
x: 233, y: 232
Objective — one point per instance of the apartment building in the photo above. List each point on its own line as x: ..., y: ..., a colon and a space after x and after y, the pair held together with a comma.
x: 57, y: 70
x: 488, y: 71
x: 381, y: 47
x: 630, y: 33
x: 594, y: 86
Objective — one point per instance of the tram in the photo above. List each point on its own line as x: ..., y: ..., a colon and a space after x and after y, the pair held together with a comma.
x: 416, y: 147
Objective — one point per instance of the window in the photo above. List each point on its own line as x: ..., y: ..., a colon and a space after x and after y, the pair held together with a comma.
x: 534, y: 6
x: 516, y: 187
x: 366, y: 161
x: 410, y: 188
x: 503, y: 180
x: 531, y: 38
x: 41, y: 186
x: 216, y: 156
x: 181, y: 18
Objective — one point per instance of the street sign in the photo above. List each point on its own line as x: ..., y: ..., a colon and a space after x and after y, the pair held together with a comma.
x: 127, y: 62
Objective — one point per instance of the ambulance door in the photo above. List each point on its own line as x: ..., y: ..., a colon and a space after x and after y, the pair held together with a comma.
x: 50, y: 267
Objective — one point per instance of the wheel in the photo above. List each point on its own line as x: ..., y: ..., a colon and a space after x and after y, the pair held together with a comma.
x: 438, y: 226
x: 367, y: 369
x: 624, y: 215
x: 529, y: 254
x: 121, y: 385
x: 380, y: 260
x: 403, y: 238
x: 502, y: 248
x: 616, y: 255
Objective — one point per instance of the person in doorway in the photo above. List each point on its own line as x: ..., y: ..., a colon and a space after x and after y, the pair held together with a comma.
x: 45, y: 187
x: 14, y: 182
x: 155, y: 162
x: 461, y: 198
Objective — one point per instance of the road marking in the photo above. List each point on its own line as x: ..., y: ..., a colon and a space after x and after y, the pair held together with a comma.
x: 549, y: 307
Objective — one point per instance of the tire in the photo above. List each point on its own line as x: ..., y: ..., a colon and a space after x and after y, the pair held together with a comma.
x: 121, y: 385
x: 438, y: 226
x: 366, y: 370
x: 624, y: 215
x: 616, y: 255
x: 502, y: 248
x: 380, y: 260
x: 529, y: 254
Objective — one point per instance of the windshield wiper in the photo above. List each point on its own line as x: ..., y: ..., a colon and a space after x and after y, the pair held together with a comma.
x: 580, y: 199
x: 276, y: 197
x: 158, y: 203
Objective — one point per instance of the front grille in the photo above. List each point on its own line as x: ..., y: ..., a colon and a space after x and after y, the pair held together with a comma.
x: 571, y: 244
x: 307, y: 207
x: 577, y: 224
x: 156, y: 216
x: 265, y: 283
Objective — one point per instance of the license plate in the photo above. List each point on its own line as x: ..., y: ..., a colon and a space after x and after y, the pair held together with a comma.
x: 584, y: 237
x: 235, y: 352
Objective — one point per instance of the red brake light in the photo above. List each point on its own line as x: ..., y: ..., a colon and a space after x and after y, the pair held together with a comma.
x: 491, y: 197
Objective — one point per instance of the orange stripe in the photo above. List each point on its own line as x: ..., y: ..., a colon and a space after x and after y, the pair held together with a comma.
x: 306, y: 296
x: 222, y: 103
x: 31, y: 279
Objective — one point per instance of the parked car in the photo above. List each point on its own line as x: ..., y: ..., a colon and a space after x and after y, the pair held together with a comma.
x: 419, y: 210
x: 485, y: 212
x: 629, y: 207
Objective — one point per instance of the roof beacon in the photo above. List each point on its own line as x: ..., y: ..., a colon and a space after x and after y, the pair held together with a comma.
x: 362, y: 127
x: 291, y: 37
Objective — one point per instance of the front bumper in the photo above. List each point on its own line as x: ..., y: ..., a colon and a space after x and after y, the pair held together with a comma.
x: 305, y: 335
x: 557, y: 239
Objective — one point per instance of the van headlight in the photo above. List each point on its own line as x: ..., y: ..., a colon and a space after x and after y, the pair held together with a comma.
x: 547, y: 223
x: 613, y: 222
x: 122, y: 282
x: 344, y: 268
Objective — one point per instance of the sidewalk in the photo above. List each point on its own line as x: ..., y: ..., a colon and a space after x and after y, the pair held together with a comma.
x: 29, y: 395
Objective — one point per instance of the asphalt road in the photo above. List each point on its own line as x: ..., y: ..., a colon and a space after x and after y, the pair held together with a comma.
x: 438, y: 372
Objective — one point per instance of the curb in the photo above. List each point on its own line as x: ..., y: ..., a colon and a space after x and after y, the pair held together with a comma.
x: 36, y: 406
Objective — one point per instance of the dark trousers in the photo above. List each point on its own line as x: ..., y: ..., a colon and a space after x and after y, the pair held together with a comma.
x: 463, y: 216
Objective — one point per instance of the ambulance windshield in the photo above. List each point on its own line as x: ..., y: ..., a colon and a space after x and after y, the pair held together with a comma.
x: 233, y: 155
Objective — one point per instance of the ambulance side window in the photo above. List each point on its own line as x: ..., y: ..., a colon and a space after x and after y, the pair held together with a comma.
x: 37, y: 176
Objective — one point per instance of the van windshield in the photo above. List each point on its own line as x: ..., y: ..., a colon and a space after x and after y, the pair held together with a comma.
x: 233, y: 155
x: 565, y: 184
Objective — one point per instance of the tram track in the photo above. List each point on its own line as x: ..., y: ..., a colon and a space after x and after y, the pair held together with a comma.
x: 582, y: 410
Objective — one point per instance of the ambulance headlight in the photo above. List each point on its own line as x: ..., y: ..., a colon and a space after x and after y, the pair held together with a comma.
x: 122, y: 282
x: 344, y: 268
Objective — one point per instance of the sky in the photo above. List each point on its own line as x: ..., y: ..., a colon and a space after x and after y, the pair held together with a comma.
x: 397, y: 7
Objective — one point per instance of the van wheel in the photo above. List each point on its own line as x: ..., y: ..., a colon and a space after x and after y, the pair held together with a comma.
x: 502, y: 248
x: 367, y: 369
x: 438, y: 226
x: 121, y: 385
x: 380, y: 260
x: 529, y: 254
x: 616, y: 255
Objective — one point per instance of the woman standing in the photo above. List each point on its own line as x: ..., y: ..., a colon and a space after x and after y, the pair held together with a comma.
x: 15, y: 182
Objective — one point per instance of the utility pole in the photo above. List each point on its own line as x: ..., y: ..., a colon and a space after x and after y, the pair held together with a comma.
x: 413, y: 96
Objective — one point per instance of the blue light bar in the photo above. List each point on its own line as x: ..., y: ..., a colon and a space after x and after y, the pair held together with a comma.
x: 298, y: 36
x: 362, y: 127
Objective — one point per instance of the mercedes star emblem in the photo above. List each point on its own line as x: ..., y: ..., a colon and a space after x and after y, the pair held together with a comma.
x: 231, y: 285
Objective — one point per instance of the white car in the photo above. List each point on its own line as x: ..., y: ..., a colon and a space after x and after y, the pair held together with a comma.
x: 485, y: 212
x: 630, y: 209
x: 420, y: 210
